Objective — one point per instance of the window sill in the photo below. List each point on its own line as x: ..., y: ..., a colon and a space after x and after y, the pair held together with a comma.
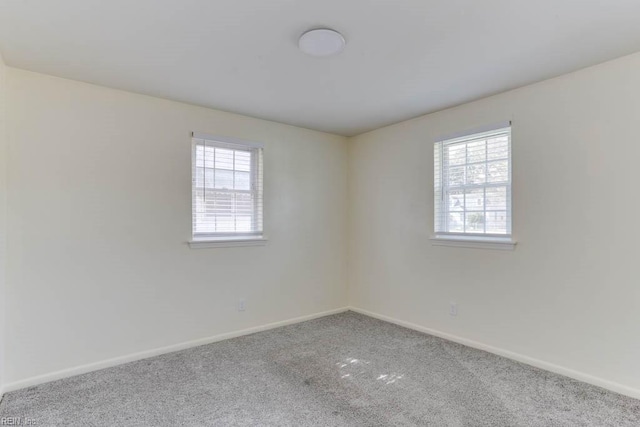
x: 227, y: 243
x: 502, y: 244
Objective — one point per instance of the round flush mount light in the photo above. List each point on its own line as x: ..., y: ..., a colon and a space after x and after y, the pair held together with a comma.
x: 321, y: 42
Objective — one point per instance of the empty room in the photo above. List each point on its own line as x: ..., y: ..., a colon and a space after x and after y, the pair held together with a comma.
x: 319, y: 213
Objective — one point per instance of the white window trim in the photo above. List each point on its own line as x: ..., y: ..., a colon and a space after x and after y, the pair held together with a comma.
x: 479, y: 241
x: 227, y: 140
x: 228, y: 242
x: 474, y: 242
x: 232, y: 240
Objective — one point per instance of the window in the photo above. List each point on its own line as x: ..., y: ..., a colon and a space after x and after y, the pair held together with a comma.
x: 226, y: 189
x: 472, y: 177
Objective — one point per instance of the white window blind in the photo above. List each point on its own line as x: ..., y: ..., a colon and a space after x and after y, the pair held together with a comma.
x: 473, y: 184
x: 227, y: 188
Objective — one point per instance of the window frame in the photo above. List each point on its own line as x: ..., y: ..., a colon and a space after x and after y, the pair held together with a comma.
x: 445, y: 237
x: 227, y: 239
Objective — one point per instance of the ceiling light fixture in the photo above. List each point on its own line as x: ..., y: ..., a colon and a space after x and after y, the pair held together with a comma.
x: 321, y: 42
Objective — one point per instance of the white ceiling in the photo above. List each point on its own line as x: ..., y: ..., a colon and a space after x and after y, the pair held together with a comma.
x: 403, y: 58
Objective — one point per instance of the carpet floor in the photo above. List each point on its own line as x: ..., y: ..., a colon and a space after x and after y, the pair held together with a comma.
x: 341, y: 370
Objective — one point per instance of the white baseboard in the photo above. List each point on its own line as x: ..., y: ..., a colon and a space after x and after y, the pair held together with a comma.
x: 65, y: 373
x: 70, y: 372
x: 567, y: 372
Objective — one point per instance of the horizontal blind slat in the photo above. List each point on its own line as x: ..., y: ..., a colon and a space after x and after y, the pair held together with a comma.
x: 227, y: 189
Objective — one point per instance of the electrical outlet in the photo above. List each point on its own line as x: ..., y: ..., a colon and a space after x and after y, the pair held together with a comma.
x: 242, y: 305
x: 453, y: 309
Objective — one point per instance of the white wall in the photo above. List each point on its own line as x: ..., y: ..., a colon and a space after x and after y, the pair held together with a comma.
x: 100, y: 210
x: 3, y: 210
x: 570, y: 293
